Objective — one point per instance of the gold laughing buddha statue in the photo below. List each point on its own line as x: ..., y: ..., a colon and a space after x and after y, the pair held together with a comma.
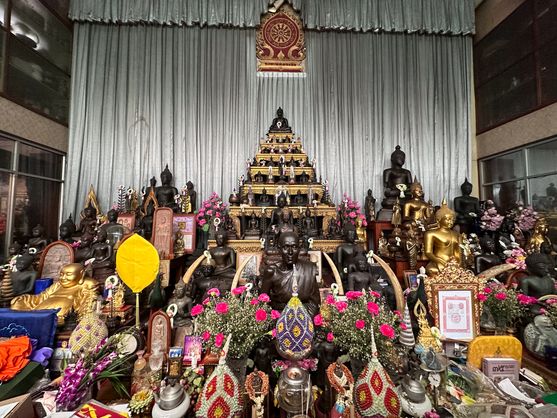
x: 442, y: 243
x: 72, y: 291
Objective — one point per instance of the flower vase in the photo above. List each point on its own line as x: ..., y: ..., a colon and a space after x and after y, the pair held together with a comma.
x: 238, y: 366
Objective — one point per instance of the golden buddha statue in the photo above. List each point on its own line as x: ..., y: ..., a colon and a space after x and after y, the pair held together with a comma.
x: 442, y: 243
x: 416, y: 209
x: 361, y: 231
x: 539, y: 237
x: 72, y: 291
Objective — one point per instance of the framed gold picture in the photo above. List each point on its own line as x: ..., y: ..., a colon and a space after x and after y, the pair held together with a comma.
x: 452, y: 299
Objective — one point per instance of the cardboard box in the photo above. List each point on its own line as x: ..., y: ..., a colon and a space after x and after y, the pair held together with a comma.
x: 23, y: 409
x: 499, y: 368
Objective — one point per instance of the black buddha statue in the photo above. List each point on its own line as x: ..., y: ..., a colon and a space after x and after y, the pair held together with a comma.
x: 253, y: 230
x: 280, y: 123
x: 183, y: 302
x: 369, y: 206
x: 14, y: 249
x: 114, y: 231
x: 264, y: 198
x: 278, y: 279
x: 308, y: 225
x: 88, y: 224
x: 467, y: 208
x: 258, y: 178
x: 298, y: 199
x: 487, y: 258
x: 23, y: 278
x: 67, y: 230
x: 540, y: 282
x: 166, y: 192
x: 505, y: 237
x: 38, y: 241
x: 193, y: 194
x: 346, y: 251
x: 103, y: 264
x: 361, y: 279
x: 396, y: 176
x: 281, y: 212
x: 224, y: 257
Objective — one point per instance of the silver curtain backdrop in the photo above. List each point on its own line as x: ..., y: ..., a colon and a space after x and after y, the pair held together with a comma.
x: 147, y: 95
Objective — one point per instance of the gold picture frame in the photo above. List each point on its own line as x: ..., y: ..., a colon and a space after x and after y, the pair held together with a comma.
x: 452, y: 296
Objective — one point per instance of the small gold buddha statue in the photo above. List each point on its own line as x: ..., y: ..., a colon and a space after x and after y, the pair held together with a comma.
x: 442, y: 243
x: 538, y: 237
x: 361, y: 232
x: 416, y: 208
x: 72, y: 291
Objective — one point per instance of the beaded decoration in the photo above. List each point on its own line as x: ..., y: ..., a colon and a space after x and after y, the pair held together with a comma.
x: 342, y: 382
x: 261, y: 380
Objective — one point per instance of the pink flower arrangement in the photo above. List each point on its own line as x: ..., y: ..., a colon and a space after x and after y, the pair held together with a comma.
x: 210, y: 209
x: 330, y: 300
x: 213, y: 292
x: 505, y: 305
x: 341, y: 306
x: 373, y: 308
x: 491, y: 219
x: 500, y: 296
x: 518, y: 258
x: 349, y: 211
x: 206, y: 335
x: 527, y: 219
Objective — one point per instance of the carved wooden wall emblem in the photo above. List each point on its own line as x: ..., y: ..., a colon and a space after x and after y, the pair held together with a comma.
x: 280, y: 42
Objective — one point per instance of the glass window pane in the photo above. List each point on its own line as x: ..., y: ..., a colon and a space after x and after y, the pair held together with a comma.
x: 546, y: 16
x: 3, y: 12
x: 6, y: 153
x: 39, y: 162
x: 548, y: 72
x: 505, y: 195
x: 509, y: 42
x: 35, y: 83
x: 37, y: 201
x: 542, y: 158
x: 504, y: 167
x: 543, y: 192
x: 4, y: 203
x: 2, y: 55
x: 36, y: 27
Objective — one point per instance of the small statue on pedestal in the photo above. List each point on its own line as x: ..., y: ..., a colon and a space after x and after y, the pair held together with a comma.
x: 182, y: 301
x: 308, y: 225
x: 253, y: 231
x: 394, y: 176
x: 539, y: 283
x: 23, y: 277
x: 346, y: 251
x: 280, y: 123
x: 539, y: 237
x: 369, y: 206
x: 88, y: 224
x: 193, y: 195
x: 264, y: 199
x: 39, y: 240
x: 362, y: 279
x: 165, y: 193
x: 103, y: 265
x: 416, y: 209
x: 67, y: 229
x: 395, y: 243
x: 487, y: 258
x: 298, y: 199
x: 281, y: 212
x: 467, y: 208
x: 114, y: 231
x: 179, y: 245
x: 442, y: 243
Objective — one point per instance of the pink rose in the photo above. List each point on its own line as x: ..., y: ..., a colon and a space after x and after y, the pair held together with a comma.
x: 207, y: 205
x: 330, y: 300
x: 318, y: 320
x: 219, y: 339
x: 341, y: 306
x: 264, y: 297
x: 221, y: 308
x: 206, y: 301
x: 214, y: 292
x: 254, y: 301
x: 352, y: 215
x: 217, y: 214
x: 352, y: 295
x: 202, y: 222
x: 196, y: 310
x: 275, y: 314
x: 274, y: 332
x: 373, y: 308
x: 238, y: 290
x: 330, y: 337
x: 374, y: 294
x: 500, y: 296
x: 206, y: 335
x: 387, y: 331
x: 482, y: 297
x: 360, y: 324
x: 260, y: 315
x: 210, y: 212
x: 487, y: 290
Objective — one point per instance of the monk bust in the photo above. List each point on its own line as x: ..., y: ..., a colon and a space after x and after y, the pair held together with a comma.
x: 72, y: 292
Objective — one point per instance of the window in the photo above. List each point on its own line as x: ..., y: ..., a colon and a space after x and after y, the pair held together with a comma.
x: 35, y: 55
x: 515, y: 65
x: 31, y: 179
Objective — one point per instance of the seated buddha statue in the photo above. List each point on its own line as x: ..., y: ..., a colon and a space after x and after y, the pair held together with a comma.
x: 23, y: 278
x: 253, y: 230
x: 396, y: 175
x: 346, y: 251
x: 539, y: 237
x: 280, y: 123
x: 487, y: 258
x: 467, y: 208
x: 281, y: 212
x: 67, y: 230
x: 278, y: 279
x: 88, y: 224
x: 308, y: 225
x: 224, y: 257
x: 264, y: 199
x: 415, y: 209
x: 442, y: 243
x: 181, y: 298
x: 38, y: 241
x: 165, y: 193
x: 101, y: 251
x: 72, y: 292
x: 114, y: 231
x: 540, y: 334
x: 539, y: 283
x: 362, y: 279
x: 298, y: 199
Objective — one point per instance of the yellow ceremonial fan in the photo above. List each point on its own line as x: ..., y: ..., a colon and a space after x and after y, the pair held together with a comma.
x: 137, y: 263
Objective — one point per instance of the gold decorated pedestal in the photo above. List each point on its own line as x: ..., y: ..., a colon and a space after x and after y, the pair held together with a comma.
x: 252, y: 246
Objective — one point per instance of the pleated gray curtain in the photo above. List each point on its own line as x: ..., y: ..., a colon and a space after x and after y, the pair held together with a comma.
x: 146, y: 96
x: 427, y: 16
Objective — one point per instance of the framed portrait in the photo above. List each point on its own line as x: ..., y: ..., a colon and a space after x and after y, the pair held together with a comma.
x: 315, y: 257
x: 252, y: 268
x: 411, y: 279
x: 452, y: 299
x: 185, y: 223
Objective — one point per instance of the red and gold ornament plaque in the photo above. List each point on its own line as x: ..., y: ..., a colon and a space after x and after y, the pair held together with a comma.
x: 280, y: 42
